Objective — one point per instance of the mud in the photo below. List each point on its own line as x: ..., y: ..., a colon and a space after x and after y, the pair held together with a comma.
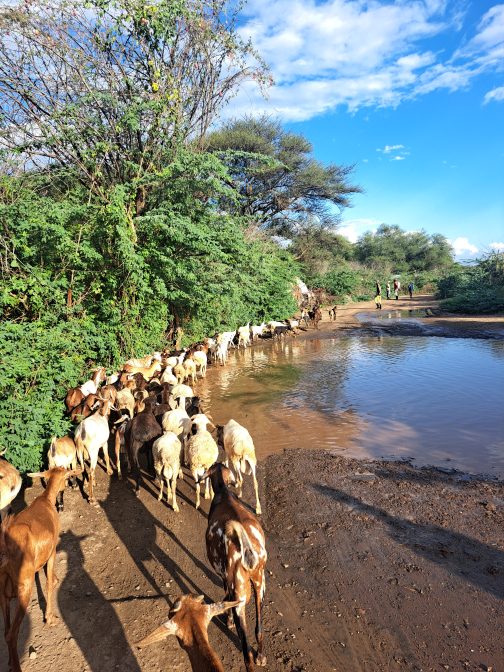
x: 372, y: 566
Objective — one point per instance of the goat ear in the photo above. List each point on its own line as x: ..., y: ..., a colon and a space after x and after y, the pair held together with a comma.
x: 74, y: 472
x: 38, y: 474
x: 219, y: 608
x: 168, y: 628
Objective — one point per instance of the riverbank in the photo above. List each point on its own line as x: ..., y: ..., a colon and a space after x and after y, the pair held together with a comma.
x: 436, y: 322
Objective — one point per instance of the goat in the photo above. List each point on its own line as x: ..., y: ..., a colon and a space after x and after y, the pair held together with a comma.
x: 91, y: 386
x: 179, y: 372
x: 62, y: 453
x: 168, y: 377
x: 10, y: 485
x: 333, y: 312
x: 28, y: 542
x: 236, y: 550
x: 315, y: 315
x: 190, y: 369
x: 188, y: 620
x: 221, y: 353
x: 91, y: 435
x: 244, y: 335
x: 257, y: 330
x: 166, y: 456
x: 86, y: 407
x: 119, y: 440
x: 180, y: 393
x: 142, y: 362
x: 147, y: 372
x: 201, y: 452
x: 240, y: 451
x: 140, y: 433
x: 178, y: 422
x: 201, y: 360
x: 125, y: 400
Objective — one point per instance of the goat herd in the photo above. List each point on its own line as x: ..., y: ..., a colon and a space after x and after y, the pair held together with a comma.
x: 148, y: 405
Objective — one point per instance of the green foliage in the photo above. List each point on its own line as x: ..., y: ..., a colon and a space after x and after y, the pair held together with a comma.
x: 280, y: 184
x: 340, y: 282
x: 474, y: 289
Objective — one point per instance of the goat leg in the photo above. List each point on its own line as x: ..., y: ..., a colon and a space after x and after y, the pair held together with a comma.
x: 258, y: 586
x: 52, y: 580
x: 24, y: 594
x: 240, y: 620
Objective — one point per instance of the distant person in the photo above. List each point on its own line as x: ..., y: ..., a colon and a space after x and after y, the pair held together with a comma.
x: 397, y: 287
x: 378, y: 288
x: 333, y: 313
x: 388, y: 290
x: 378, y: 301
x: 411, y: 287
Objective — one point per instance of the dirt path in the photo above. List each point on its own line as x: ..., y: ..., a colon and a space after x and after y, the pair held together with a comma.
x: 372, y: 566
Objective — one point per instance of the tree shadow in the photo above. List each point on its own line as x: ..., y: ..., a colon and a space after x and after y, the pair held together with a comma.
x: 471, y: 560
x: 91, y: 620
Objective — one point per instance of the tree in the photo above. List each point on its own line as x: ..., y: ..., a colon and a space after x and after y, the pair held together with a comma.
x: 110, y: 89
x: 397, y: 250
x: 280, y: 184
x: 319, y: 250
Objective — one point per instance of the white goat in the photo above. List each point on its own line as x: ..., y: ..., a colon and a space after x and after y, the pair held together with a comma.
x: 181, y: 393
x: 257, y: 330
x: 240, y: 452
x: 168, y: 376
x: 201, y: 452
x: 190, y: 369
x: 125, y: 399
x: 244, y: 335
x: 91, y: 435
x: 166, y: 455
x: 221, y: 353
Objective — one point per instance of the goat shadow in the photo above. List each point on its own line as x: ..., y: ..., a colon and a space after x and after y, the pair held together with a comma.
x: 89, y: 617
x: 471, y: 560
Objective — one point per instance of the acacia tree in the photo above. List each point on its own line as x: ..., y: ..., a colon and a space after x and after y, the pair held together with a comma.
x: 112, y: 88
x: 281, y: 186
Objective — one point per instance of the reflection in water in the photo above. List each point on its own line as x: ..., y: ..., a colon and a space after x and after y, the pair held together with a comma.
x: 437, y: 400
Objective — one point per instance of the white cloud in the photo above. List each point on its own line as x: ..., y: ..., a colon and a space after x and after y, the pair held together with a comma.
x: 497, y: 247
x: 494, y: 94
x: 462, y: 247
x: 352, y: 229
x: 326, y: 53
x: 400, y: 152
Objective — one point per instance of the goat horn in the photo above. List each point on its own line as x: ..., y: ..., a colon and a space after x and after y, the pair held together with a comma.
x: 168, y: 628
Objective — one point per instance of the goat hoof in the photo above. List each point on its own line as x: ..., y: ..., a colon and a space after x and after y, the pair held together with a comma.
x: 51, y: 621
x: 260, y: 660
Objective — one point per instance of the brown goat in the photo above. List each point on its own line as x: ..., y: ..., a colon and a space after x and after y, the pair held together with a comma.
x: 73, y: 398
x: 27, y: 544
x: 140, y: 433
x: 189, y: 620
x: 86, y: 407
x: 236, y: 550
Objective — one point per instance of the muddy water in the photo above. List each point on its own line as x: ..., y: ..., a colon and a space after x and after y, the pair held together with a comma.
x: 437, y: 400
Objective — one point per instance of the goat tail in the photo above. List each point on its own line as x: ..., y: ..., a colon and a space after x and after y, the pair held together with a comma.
x: 53, y: 446
x: 250, y: 557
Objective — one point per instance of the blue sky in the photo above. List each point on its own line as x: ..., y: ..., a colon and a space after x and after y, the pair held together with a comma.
x: 410, y: 92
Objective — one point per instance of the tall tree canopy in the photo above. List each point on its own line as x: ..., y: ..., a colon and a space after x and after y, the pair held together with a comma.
x: 391, y: 247
x: 110, y: 88
x: 281, y: 185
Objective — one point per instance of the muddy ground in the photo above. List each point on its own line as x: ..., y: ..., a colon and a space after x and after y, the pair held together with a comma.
x: 372, y: 566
